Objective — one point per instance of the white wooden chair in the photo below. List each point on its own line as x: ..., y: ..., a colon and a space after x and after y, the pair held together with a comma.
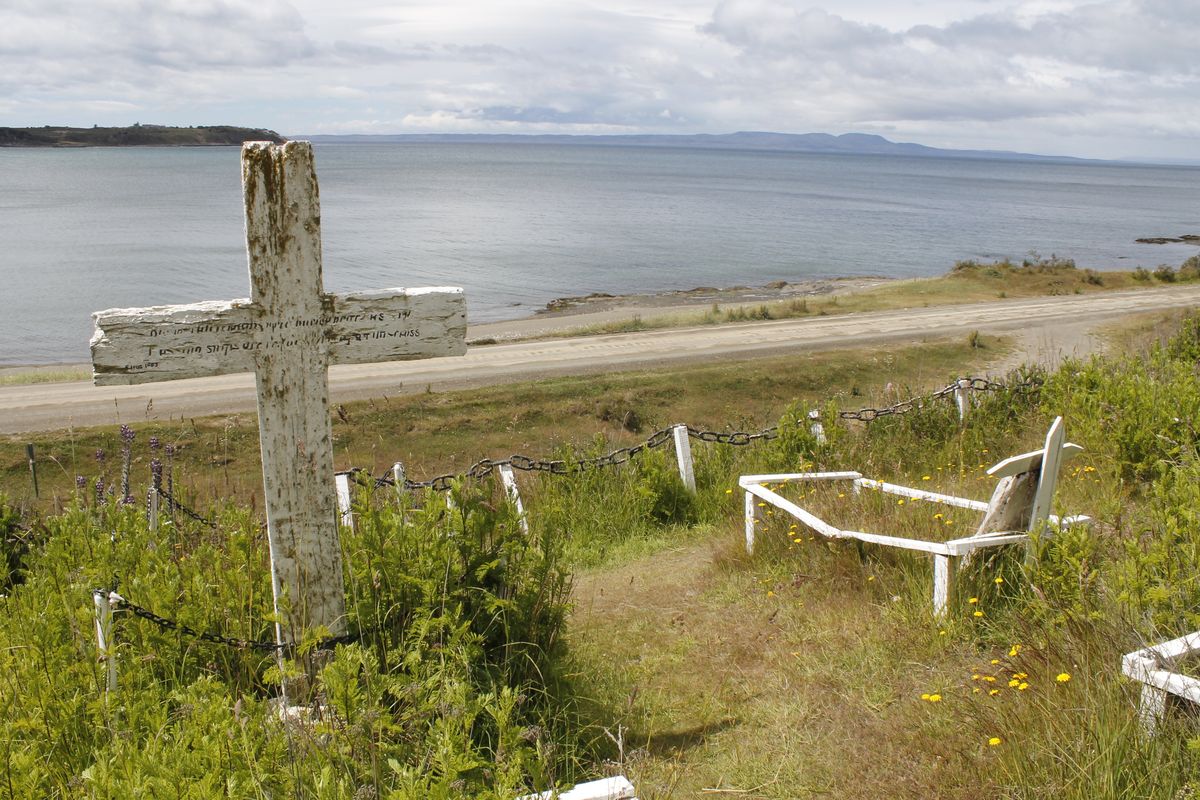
x: 1020, y: 504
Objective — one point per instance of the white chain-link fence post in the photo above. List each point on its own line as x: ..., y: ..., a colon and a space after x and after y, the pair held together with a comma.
x: 510, y: 488
x: 683, y: 454
x: 342, y: 484
x: 105, y: 647
x: 962, y: 398
x: 815, y: 427
x: 152, y: 509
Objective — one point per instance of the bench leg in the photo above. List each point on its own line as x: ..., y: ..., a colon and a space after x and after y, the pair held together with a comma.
x: 751, y: 518
x: 943, y: 581
x: 1152, y: 708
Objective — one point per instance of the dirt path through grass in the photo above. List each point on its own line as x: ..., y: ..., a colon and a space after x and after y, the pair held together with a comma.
x: 753, y: 678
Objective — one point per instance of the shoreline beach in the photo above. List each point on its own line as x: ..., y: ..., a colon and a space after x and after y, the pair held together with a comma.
x: 567, y: 313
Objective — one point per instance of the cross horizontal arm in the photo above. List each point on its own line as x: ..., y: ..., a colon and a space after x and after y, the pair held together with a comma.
x: 142, y: 345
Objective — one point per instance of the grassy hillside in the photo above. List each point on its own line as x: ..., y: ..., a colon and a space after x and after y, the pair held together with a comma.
x: 810, y: 669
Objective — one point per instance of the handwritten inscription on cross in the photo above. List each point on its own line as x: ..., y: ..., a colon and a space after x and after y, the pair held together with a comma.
x: 288, y: 332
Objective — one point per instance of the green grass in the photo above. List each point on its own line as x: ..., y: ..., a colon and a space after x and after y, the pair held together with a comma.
x: 809, y: 669
x: 43, y: 375
x: 218, y: 457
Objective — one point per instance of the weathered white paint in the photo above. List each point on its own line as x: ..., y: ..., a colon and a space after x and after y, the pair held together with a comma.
x: 1048, y: 476
x: 398, y: 479
x: 288, y: 333
x: 964, y: 547
x: 615, y: 788
x: 921, y: 494
x: 341, y: 486
x: 796, y: 477
x: 683, y: 455
x: 152, y: 501
x: 140, y: 345
x: 514, y: 495
x: 943, y: 579
x: 1151, y: 666
x: 751, y: 518
x: 106, y: 650
x: 815, y: 427
x: 962, y: 398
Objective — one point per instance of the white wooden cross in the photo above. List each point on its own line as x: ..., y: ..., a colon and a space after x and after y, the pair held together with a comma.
x: 288, y: 332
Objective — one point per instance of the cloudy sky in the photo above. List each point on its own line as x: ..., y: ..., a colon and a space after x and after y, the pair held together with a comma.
x: 1114, y: 78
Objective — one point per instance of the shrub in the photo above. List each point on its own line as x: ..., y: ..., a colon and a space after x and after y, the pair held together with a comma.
x: 1189, y: 270
x: 1142, y: 275
x: 449, y: 692
x: 1165, y: 273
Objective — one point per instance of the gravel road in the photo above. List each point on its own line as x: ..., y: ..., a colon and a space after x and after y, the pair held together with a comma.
x: 1048, y: 328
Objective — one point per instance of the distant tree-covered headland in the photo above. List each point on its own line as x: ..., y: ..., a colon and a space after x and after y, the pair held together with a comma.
x: 134, y: 136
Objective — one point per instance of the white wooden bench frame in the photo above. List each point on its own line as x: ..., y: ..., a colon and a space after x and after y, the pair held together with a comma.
x: 1152, y: 667
x: 615, y: 788
x: 1047, y: 460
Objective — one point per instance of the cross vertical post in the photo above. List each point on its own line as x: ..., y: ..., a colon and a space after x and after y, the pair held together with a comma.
x: 283, y: 242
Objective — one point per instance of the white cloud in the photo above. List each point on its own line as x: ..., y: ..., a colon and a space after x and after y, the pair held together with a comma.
x: 1022, y: 74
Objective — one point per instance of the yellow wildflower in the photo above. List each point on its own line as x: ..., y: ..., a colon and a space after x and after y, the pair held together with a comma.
x: 993, y: 692
x: 1063, y: 677
x: 994, y: 741
x: 973, y: 600
x: 1023, y: 686
x: 977, y: 614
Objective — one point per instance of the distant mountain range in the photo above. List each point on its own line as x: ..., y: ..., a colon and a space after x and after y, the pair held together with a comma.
x: 850, y: 143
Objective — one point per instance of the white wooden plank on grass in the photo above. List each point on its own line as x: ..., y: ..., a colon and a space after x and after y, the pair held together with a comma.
x: 615, y: 788
x: 937, y: 548
x: 795, y: 477
x: 921, y: 494
x: 811, y: 520
x: 962, y: 547
x: 1183, y: 646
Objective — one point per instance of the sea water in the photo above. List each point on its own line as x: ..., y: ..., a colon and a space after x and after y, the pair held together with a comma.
x: 518, y: 225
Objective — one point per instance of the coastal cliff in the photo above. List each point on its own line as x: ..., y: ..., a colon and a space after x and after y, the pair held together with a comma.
x: 134, y: 136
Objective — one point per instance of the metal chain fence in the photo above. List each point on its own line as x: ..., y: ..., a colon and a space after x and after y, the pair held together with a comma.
x: 485, y: 467
x: 119, y: 603
x: 482, y: 469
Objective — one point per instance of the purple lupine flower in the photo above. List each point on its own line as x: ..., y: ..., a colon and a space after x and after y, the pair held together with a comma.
x: 99, y: 490
x: 80, y: 481
x: 156, y: 472
x: 127, y: 500
x: 127, y: 434
x: 154, y: 443
x: 100, y: 456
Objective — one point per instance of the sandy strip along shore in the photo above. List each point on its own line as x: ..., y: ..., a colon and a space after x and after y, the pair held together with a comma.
x: 1048, y: 328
